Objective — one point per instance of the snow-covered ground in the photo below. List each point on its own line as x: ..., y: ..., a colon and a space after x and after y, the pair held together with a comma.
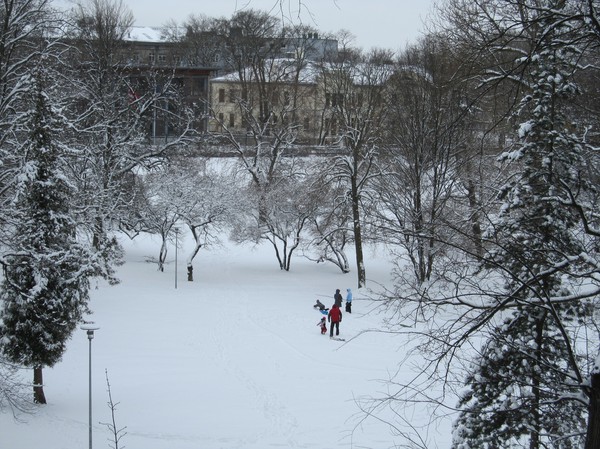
x: 233, y: 360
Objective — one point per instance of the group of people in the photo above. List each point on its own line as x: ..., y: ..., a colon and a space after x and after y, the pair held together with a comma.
x: 334, y: 315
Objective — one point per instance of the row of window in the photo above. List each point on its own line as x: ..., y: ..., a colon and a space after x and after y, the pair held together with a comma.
x: 195, y: 86
x: 232, y: 122
x: 331, y: 125
x: 235, y: 95
x: 152, y: 58
x: 331, y: 99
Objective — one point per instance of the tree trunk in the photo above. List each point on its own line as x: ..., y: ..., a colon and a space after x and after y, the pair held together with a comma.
x: 38, y: 386
x: 98, y: 232
x: 197, y: 246
x: 592, y: 439
x: 162, y: 255
x: 360, y: 263
x: 476, y: 233
x: 536, y: 399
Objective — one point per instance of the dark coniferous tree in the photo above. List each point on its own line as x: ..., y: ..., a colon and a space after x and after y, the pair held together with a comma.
x: 45, y: 287
x: 522, y: 394
x: 524, y: 390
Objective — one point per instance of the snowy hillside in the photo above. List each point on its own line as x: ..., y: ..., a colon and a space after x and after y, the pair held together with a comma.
x: 234, y: 360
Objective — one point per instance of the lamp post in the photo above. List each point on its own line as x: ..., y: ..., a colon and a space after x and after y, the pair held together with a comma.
x: 176, y: 229
x: 89, y: 327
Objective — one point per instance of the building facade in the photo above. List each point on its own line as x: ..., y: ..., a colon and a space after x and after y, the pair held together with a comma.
x: 282, y: 96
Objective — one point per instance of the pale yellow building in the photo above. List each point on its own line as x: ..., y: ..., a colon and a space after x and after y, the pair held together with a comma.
x: 288, y: 101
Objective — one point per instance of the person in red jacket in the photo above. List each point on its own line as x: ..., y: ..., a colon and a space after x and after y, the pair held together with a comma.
x: 335, y: 318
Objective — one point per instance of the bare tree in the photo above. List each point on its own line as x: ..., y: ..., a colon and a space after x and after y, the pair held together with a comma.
x: 213, y: 200
x: 158, y: 207
x: 186, y: 192
x: 117, y: 433
x: 113, y: 109
x: 329, y: 228
x: 355, y: 108
x: 290, y: 204
x: 424, y: 148
x: 14, y: 392
x: 260, y: 110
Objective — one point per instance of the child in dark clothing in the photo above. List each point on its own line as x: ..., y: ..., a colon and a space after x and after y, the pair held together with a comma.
x: 319, y: 305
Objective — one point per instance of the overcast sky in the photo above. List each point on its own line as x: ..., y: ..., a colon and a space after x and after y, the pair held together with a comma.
x: 375, y: 23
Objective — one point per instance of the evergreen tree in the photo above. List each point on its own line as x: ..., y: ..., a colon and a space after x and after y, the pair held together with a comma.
x: 522, y: 393
x: 46, y: 275
x: 523, y: 390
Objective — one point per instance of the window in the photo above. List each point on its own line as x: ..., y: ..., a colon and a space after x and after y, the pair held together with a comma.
x: 336, y: 99
x: 306, y: 124
x: 331, y: 127
x: 221, y: 95
x: 198, y: 86
x: 178, y: 83
x: 232, y: 120
x: 333, y: 100
x: 162, y: 58
x: 150, y: 58
x: 286, y: 98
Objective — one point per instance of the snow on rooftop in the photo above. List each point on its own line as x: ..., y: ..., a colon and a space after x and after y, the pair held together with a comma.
x: 282, y: 70
x: 145, y: 34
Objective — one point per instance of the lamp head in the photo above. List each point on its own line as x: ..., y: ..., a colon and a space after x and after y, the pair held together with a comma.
x: 89, y: 327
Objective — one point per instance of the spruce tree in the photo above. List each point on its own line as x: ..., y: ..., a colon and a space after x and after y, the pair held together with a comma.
x: 522, y: 393
x: 46, y: 275
x: 523, y: 389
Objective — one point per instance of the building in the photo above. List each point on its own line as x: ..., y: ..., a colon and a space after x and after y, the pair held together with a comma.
x: 300, y: 102
x: 286, y: 101
x: 202, y: 72
x: 148, y: 55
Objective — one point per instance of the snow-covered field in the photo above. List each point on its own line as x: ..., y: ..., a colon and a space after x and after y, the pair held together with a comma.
x: 233, y: 360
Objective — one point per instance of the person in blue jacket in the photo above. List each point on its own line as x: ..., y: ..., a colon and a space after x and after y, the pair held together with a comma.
x: 348, y: 300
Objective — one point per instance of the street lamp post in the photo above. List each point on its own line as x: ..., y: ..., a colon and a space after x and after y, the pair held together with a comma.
x: 176, y: 245
x: 89, y: 327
